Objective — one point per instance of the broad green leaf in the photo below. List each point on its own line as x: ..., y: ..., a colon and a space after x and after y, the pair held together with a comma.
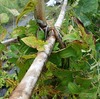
x: 77, y: 46
x: 3, y: 33
x: 87, y: 6
x: 67, y: 52
x: 71, y: 37
x: 18, y: 31
x: 33, y: 42
x: 55, y: 59
x: 73, y: 88
x: 4, y: 18
x: 84, y: 82
x: 85, y: 9
x: 30, y: 6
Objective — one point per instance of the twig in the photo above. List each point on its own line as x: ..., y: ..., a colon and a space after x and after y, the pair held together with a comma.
x: 9, y: 41
x: 26, y: 86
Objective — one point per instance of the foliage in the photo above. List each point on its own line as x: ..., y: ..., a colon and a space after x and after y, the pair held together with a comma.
x: 7, y: 7
x: 72, y: 72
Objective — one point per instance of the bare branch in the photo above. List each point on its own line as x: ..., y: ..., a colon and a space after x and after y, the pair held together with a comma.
x: 24, y: 89
x: 61, y: 15
x: 9, y: 41
x: 26, y: 86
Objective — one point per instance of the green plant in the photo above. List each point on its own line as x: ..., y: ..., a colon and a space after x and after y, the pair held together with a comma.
x: 72, y: 72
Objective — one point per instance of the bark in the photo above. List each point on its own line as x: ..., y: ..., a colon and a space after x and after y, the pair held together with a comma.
x: 26, y: 86
x: 40, y: 10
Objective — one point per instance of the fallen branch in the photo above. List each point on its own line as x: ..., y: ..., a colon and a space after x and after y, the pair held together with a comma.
x: 9, y: 41
x: 26, y: 86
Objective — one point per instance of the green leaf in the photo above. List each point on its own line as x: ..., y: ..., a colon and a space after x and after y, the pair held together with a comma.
x: 41, y: 35
x: 12, y: 54
x: 33, y: 28
x: 71, y: 37
x: 3, y: 33
x: 67, y: 52
x: 33, y: 42
x: 84, y: 82
x: 73, y: 88
x: 30, y: 6
x: 85, y: 9
x: 23, y: 66
x: 89, y: 94
x: 2, y: 47
x: 18, y: 31
x: 4, y: 18
x: 55, y: 59
x: 87, y: 6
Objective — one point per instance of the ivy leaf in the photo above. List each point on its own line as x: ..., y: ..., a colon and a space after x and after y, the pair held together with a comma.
x: 33, y: 42
x: 3, y: 33
x: 4, y: 18
x: 28, y: 8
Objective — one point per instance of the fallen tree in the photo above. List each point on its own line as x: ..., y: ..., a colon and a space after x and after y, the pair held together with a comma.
x: 26, y: 86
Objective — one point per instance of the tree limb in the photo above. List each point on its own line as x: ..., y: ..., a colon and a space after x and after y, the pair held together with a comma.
x: 9, y: 41
x: 26, y: 86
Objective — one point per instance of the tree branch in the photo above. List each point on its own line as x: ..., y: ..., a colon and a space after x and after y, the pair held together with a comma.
x: 9, y: 41
x: 26, y: 86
